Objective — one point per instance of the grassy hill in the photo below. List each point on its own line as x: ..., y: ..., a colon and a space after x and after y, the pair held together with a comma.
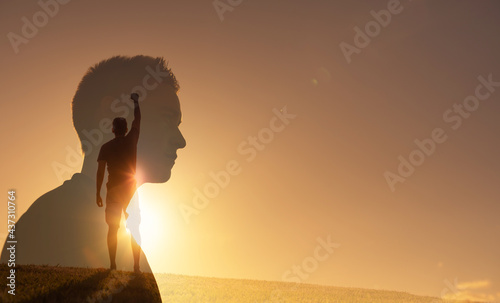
x: 66, y: 284
x: 183, y: 289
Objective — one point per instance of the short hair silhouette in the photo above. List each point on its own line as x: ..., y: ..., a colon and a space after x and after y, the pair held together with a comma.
x: 119, y: 126
x: 101, y: 80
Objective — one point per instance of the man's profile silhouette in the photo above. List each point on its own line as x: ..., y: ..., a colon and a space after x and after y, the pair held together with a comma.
x: 120, y: 156
x: 64, y: 227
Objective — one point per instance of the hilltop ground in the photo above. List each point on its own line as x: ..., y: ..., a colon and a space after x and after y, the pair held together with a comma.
x: 66, y: 284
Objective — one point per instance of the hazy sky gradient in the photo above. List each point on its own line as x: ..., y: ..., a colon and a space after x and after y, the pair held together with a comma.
x: 323, y: 174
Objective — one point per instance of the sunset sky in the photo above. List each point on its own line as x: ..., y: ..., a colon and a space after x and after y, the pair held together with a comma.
x: 356, y: 116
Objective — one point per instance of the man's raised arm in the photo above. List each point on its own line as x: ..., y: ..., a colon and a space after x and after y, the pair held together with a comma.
x: 137, y: 111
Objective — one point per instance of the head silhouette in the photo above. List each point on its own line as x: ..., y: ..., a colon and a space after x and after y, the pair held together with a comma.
x: 119, y: 126
x: 104, y: 93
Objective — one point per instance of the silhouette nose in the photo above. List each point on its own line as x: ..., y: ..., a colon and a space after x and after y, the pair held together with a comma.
x: 180, y: 142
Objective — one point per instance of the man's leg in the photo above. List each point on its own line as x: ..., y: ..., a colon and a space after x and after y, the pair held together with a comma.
x: 133, y: 224
x: 129, y: 194
x: 113, y: 214
x: 112, y: 242
x: 136, y: 251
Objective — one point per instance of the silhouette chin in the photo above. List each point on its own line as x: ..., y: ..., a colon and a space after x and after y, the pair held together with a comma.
x: 158, y: 177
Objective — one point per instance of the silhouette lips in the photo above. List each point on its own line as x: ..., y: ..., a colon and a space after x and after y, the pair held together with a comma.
x: 173, y: 157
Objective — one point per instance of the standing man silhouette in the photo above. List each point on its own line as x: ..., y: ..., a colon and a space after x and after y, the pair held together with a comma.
x: 119, y: 154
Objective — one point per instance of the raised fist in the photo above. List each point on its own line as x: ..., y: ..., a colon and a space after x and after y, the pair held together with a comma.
x: 134, y: 97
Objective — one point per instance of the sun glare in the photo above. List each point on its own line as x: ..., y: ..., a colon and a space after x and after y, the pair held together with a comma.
x: 155, y: 231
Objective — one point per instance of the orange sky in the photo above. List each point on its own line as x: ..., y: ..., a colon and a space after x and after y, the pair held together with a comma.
x: 322, y: 175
